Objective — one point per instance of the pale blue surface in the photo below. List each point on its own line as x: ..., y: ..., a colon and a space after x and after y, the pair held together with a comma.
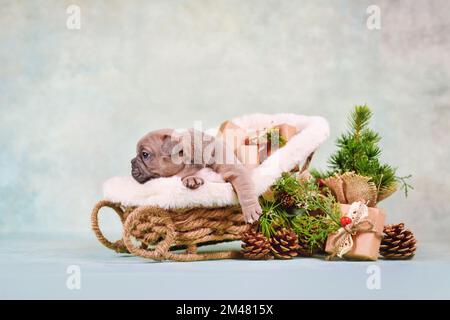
x: 35, y: 267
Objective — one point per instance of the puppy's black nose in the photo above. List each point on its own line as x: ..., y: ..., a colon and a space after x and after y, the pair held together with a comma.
x: 133, y: 161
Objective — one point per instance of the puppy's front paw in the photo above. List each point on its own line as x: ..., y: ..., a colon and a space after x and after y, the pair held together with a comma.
x: 192, y: 182
x: 252, y: 213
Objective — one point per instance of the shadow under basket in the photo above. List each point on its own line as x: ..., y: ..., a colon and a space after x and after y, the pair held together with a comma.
x: 173, y: 234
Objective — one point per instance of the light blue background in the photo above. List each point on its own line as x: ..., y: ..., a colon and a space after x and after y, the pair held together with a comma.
x: 74, y: 102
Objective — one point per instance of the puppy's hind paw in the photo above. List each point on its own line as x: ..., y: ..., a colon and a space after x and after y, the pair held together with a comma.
x: 192, y: 182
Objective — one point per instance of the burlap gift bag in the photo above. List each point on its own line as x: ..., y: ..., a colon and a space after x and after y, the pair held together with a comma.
x: 350, y: 187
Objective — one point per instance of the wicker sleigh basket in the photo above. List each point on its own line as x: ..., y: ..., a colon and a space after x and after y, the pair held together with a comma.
x: 154, y: 230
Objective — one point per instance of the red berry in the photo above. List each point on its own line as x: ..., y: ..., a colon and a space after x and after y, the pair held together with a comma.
x: 321, y: 183
x: 345, y: 221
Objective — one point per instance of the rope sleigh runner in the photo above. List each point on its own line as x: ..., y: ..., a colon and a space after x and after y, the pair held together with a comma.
x: 162, y: 216
x: 159, y: 231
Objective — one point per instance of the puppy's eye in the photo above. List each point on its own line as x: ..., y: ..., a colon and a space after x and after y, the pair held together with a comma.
x: 145, y: 155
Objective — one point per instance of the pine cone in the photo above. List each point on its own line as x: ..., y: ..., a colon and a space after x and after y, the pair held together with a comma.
x: 284, y: 244
x: 398, y: 243
x: 285, y: 199
x: 256, y: 246
x: 304, y: 249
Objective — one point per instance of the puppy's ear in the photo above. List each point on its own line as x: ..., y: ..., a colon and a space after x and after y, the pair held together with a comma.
x: 171, y: 144
x: 172, y: 149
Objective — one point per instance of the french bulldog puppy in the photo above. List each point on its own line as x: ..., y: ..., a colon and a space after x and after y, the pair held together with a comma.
x: 166, y: 153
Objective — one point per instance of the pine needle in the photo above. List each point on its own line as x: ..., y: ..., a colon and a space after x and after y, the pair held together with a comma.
x: 358, y: 152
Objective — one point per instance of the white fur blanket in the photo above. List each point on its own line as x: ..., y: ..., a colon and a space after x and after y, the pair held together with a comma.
x: 171, y: 193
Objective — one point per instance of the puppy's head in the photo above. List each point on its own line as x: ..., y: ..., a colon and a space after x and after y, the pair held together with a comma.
x: 155, y: 156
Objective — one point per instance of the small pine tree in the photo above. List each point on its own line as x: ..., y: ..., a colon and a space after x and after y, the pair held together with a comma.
x: 358, y: 152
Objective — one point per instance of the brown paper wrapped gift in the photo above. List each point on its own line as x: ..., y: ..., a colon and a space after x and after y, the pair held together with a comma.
x: 287, y: 131
x: 266, y: 146
x: 252, y: 147
x: 361, y: 240
x: 232, y: 134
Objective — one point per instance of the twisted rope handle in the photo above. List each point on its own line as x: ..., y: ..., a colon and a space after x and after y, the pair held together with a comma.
x: 118, y: 245
x: 157, y: 219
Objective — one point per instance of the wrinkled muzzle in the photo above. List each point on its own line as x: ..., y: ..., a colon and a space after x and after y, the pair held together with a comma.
x: 140, y: 174
x: 137, y: 173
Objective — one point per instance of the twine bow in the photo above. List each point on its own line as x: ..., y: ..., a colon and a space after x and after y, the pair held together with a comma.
x: 359, y: 215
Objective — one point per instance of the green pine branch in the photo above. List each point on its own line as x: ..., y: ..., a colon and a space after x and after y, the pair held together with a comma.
x: 358, y: 152
x: 309, y: 198
x: 359, y: 120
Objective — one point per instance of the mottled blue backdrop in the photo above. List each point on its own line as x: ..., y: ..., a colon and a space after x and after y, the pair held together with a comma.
x: 74, y: 102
